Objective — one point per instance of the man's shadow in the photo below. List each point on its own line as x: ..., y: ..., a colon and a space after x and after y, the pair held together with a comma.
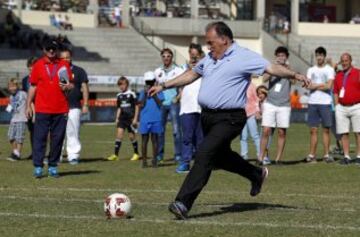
x: 78, y: 172
x: 241, y: 207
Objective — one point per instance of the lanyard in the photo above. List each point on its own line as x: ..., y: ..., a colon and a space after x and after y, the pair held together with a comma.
x: 53, y: 71
x: 346, y: 76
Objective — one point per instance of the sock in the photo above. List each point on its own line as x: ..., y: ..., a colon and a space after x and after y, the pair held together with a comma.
x: 117, y: 147
x: 135, y: 146
x: 16, y: 152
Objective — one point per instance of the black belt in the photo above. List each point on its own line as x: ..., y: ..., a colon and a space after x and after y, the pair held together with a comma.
x: 206, y: 110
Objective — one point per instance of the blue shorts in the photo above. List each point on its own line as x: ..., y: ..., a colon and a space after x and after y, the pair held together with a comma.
x: 319, y: 114
x: 151, y: 127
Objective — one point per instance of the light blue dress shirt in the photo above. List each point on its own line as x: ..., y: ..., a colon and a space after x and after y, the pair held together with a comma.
x: 225, y: 81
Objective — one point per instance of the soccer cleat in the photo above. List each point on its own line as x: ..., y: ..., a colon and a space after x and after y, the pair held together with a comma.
x: 310, y: 159
x: 160, y: 159
x: 53, y: 172
x: 74, y: 161
x: 183, y: 168
x: 144, y: 163
x: 135, y: 157
x: 345, y: 161
x: 38, y: 172
x: 266, y: 161
x: 113, y: 157
x: 328, y: 159
x: 13, y: 157
x: 256, y: 186
x: 154, y: 163
x: 179, y: 210
x: 357, y: 160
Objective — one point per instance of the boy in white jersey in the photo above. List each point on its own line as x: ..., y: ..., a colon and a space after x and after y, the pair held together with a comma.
x: 319, y: 110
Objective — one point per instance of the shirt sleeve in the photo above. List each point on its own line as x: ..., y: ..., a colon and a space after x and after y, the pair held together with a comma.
x: 308, y: 73
x: 84, y: 77
x: 256, y: 64
x: 118, y: 101
x: 331, y: 73
x: 34, y: 77
x: 336, y: 87
x: 199, y: 68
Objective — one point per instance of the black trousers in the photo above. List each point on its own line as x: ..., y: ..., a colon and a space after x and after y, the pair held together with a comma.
x: 55, y: 124
x: 220, y: 127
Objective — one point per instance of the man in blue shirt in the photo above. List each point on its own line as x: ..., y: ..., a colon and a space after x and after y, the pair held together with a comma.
x: 226, y: 73
x: 150, y: 118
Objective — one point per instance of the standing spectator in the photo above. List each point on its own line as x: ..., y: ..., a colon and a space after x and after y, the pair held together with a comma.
x: 190, y: 114
x: 276, y: 113
x: 347, y: 101
x: 229, y: 67
x: 319, y: 109
x: 17, y: 108
x: 50, y: 79
x: 295, y: 100
x: 117, y: 15
x: 170, y: 105
x: 126, y: 118
x: 78, y: 93
x: 253, y: 114
x: 150, y: 119
x: 304, y: 100
x: 25, y: 87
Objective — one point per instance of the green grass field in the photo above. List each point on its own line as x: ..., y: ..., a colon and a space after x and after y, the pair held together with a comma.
x: 297, y: 200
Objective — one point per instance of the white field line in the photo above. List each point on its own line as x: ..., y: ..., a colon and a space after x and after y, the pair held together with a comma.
x: 81, y: 200
x: 188, y: 222
x: 111, y: 190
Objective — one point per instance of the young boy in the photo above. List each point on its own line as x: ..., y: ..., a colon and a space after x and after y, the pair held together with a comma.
x: 150, y: 118
x: 126, y: 118
x: 17, y: 108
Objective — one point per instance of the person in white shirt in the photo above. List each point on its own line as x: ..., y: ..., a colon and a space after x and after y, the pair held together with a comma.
x: 319, y: 104
x: 190, y: 113
x: 170, y: 105
x: 117, y: 15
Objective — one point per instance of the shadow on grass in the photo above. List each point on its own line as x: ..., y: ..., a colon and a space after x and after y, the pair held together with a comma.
x: 89, y: 160
x: 241, y: 207
x: 287, y: 162
x: 78, y: 172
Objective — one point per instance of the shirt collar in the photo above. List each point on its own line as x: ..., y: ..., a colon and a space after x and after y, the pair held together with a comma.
x: 227, y: 52
x: 168, y: 69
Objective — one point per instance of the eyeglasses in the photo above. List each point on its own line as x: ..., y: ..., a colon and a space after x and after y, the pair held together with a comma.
x: 166, y: 56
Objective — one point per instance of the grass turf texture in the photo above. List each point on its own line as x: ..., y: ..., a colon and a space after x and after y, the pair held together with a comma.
x: 298, y: 199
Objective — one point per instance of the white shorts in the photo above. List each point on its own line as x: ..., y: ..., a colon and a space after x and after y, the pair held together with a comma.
x: 345, y: 115
x: 275, y: 116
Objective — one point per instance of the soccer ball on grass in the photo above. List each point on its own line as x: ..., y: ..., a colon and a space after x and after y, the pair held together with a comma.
x: 117, y: 205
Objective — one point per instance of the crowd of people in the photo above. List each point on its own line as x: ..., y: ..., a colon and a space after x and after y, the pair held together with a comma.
x: 210, y: 101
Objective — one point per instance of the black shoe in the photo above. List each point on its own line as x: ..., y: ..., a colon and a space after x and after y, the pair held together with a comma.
x: 144, y: 163
x: 179, y: 210
x: 345, y: 161
x: 13, y: 157
x: 357, y: 161
x: 154, y: 163
x: 256, y: 186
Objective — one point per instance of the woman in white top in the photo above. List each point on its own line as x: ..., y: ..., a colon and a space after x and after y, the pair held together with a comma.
x: 190, y: 113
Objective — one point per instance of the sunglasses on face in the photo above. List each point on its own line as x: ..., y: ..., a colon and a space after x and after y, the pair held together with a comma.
x: 50, y: 49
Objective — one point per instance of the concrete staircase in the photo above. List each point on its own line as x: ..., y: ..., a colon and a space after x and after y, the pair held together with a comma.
x: 100, y: 51
x: 335, y: 46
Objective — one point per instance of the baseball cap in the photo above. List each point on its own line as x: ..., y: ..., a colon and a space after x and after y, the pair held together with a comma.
x: 50, y: 44
x: 149, y: 76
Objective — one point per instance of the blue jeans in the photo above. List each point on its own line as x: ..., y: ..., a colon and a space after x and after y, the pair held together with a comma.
x: 173, y: 110
x: 252, y: 128
x: 192, y: 135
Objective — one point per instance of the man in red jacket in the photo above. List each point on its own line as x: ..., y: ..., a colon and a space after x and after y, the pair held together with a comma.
x: 347, y: 101
x: 50, y: 79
